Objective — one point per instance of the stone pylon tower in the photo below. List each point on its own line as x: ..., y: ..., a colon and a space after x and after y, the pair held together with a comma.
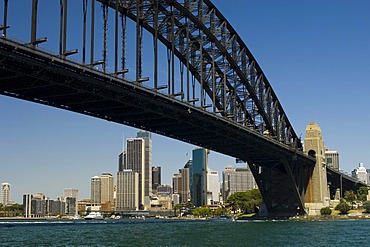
x: 317, y: 195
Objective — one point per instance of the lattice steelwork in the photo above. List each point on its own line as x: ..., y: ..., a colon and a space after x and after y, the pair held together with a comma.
x: 231, y: 82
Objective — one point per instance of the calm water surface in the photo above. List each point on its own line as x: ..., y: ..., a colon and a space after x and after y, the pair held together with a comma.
x: 185, y: 233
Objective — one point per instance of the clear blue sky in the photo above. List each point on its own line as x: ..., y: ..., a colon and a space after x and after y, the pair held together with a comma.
x: 316, y: 55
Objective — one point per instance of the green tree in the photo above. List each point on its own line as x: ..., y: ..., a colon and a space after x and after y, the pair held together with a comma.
x: 11, y: 210
x: 343, y: 207
x: 189, y: 205
x: 366, y: 206
x: 221, y: 211
x: 362, y: 193
x: 202, y: 212
x: 177, y: 207
x: 350, y: 196
x: 325, y: 211
x: 247, y: 201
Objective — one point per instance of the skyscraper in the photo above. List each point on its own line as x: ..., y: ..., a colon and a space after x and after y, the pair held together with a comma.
x: 121, y: 161
x: 199, y: 176
x: 127, y: 191
x: 177, y: 184
x: 156, y: 177
x: 148, y: 162
x: 95, y: 191
x: 106, y: 188
x: 5, y: 193
x: 135, y: 161
x: 185, y: 184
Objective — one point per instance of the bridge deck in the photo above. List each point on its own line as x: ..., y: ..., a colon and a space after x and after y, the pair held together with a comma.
x: 31, y: 74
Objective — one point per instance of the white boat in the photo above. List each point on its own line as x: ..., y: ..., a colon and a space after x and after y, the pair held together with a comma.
x: 94, y: 216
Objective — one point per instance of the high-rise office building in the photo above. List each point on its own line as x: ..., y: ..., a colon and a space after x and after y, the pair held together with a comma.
x: 38, y: 205
x: 106, y: 188
x: 58, y: 207
x: 127, y: 190
x: 71, y: 206
x: 121, y: 161
x: 213, y: 187
x: 71, y: 200
x: 360, y: 173
x: 27, y: 199
x: 225, y: 182
x: 237, y: 180
x: 199, y: 177
x: 135, y: 161
x: 177, y: 184
x: 156, y: 177
x: 185, y: 184
x: 106, y: 192
x: 95, y: 191
x: 332, y: 159
x: 148, y: 162
x: 69, y: 192
x: 5, y: 193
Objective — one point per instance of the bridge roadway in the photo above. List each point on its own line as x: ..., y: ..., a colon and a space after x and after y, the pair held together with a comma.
x: 343, y: 182
x: 34, y: 75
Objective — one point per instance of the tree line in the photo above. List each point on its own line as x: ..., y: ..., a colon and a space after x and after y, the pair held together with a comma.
x: 13, y: 210
x: 348, y: 201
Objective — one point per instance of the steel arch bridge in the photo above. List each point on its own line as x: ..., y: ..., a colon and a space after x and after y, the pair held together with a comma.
x: 204, y: 86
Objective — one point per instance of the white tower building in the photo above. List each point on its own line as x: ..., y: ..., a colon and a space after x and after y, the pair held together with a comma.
x: 213, y: 187
x: 5, y: 193
x: 360, y: 173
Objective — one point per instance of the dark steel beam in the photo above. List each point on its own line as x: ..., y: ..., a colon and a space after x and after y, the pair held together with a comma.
x: 34, y: 21
x: 92, y: 35
x: 65, y: 18
x: 5, y: 23
x: 84, y: 12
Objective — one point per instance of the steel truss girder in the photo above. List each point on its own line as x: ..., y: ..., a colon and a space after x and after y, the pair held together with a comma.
x: 232, y: 78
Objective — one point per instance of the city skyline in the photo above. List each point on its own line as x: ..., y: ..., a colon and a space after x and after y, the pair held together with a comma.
x: 316, y: 63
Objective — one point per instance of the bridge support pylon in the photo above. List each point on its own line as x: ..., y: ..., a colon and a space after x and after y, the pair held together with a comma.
x: 282, y: 185
x: 317, y: 194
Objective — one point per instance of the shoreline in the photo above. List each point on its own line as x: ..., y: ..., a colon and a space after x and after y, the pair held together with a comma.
x: 332, y: 217
x: 248, y: 218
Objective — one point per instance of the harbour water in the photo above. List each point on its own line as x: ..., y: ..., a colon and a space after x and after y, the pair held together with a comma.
x: 184, y: 233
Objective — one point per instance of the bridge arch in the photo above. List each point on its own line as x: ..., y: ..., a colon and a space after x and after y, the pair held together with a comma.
x: 205, y: 42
